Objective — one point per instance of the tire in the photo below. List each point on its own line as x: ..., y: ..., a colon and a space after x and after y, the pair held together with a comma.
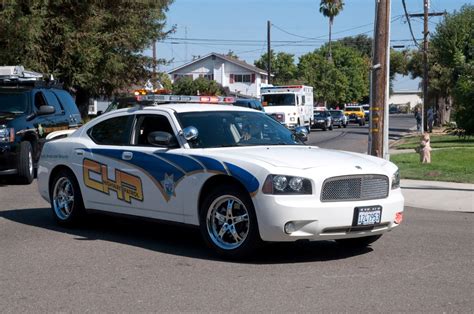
x: 66, y: 199
x: 344, y: 125
x: 25, y: 163
x: 232, y: 232
x: 358, y: 242
x: 330, y: 127
x: 339, y: 126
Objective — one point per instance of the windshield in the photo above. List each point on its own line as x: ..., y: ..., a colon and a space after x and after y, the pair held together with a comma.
x: 336, y: 113
x: 236, y: 128
x: 320, y: 114
x: 353, y: 109
x: 13, y: 102
x: 279, y: 100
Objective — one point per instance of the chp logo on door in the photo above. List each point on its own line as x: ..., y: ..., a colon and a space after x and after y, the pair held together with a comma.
x: 125, y: 185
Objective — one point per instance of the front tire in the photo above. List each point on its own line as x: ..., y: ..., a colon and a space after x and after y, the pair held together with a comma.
x: 228, y: 222
x: 358, y: 242
x: 66, y: 198
x: 25, y: 163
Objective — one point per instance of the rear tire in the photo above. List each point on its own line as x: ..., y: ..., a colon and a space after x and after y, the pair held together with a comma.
x: 228, y: 222
x: 25, y: 163
x: 66, y: 198
x: 358, y: 242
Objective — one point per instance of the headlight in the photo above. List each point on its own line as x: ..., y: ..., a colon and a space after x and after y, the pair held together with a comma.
x: 396, y: 180
x: 7, y: 135
x: 281, y: 184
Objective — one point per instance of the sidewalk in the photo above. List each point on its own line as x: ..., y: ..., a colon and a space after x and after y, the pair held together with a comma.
x: 438, y: 195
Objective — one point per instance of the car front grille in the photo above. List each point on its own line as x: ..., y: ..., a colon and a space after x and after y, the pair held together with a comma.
x: 355, y: 188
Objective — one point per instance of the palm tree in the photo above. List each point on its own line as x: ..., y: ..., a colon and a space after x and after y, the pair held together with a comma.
x: 330, y: 8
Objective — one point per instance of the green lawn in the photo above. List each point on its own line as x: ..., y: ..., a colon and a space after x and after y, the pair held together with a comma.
x: 437, y: 141
x: 452, y: 165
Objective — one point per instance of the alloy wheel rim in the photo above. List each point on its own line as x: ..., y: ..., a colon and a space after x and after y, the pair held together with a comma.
x: 63, y: 198
x: 228, y: 222
x: 30, y: 163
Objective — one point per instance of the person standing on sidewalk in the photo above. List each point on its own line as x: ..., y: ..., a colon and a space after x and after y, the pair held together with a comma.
x: 430, y: 121
x: 418, y: 119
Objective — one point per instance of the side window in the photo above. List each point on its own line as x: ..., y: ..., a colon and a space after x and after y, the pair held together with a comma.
x: 303, y: 100
x: 114, y: 131
x: 39, y: 100
x: 66, y: 100
x: 151, y: 123
x: 53, y: 101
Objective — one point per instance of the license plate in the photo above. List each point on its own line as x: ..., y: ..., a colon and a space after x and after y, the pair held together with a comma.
x: 367, y: 215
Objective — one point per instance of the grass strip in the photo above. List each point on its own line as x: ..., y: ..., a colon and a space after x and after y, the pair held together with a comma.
x: 451, y: 165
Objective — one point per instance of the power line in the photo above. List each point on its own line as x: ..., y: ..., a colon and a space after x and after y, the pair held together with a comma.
x: 409, y: 23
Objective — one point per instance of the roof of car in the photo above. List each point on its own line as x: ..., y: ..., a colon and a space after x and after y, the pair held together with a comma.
x: 190, y: 107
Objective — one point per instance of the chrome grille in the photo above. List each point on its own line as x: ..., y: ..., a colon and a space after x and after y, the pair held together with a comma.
x: 355, y: 188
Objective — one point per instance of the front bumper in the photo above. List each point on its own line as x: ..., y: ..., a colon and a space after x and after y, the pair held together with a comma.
x: 8, y: 159
x: 315, y: 220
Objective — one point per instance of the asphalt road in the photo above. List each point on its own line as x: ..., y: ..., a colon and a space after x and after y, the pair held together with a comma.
x: 355, y: 138
x: 112, y: 264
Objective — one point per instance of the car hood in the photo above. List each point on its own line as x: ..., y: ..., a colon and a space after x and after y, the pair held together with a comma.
x: 300, y: 157
x: 6, y: 117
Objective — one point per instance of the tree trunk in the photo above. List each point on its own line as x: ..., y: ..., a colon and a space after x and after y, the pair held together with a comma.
x: 330, y: 33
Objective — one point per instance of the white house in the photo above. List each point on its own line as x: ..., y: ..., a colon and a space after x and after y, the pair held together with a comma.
x: 238, y: 76
x: 406, y: 98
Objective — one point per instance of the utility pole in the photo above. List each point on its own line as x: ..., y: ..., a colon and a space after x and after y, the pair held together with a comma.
x: 268, y: 53
x: 378, y: 126
x: 424, y: 108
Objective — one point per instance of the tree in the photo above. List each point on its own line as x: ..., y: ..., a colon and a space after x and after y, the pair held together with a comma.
x: 283, y: 67
x: 453, y: 70
x: 450, y: 65
x: 330, y: 9
x: 93, y: 47
x: 343, y: 79
x: 200, y: 86
x: 361, y: 43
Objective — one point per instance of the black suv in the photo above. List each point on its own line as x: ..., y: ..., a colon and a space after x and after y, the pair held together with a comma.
x: 249, y: 103
x: 29, y: 111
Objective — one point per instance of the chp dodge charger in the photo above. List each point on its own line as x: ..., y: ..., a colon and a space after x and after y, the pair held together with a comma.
x: 235, y: 172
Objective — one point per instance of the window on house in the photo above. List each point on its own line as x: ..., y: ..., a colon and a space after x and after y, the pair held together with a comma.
x: 242, y: 78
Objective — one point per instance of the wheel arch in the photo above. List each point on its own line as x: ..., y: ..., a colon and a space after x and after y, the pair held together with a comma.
x: 219, y: 180
x: 55, y: 171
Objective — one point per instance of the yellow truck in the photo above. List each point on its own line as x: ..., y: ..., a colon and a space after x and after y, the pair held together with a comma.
x: 355, y: 114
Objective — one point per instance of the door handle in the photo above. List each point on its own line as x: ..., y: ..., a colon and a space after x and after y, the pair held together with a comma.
x: 127, y: 155
x: 79, y: 151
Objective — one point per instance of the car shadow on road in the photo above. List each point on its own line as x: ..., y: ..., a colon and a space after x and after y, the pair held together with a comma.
x: 175, y: 239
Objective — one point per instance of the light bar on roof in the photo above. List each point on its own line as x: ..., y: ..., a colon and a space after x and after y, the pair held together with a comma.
x: 185, y: 99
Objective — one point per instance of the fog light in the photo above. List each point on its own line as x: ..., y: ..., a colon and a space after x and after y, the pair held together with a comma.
x: 398, y: 218
x: 290, y: 227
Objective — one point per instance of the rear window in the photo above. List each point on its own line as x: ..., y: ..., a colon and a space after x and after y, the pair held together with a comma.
x: 12, y: 102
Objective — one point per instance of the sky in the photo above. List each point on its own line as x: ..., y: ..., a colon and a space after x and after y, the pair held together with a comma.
x: 205, y: 26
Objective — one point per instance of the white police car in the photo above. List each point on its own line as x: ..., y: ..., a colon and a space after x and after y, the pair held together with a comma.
x: 235, y: 172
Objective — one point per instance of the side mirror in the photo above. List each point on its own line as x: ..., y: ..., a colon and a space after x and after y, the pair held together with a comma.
x: 43, y: 110
x: 190, y: 133
x: 162, y: 139
x: 99, y: 112
x: 301, y: 133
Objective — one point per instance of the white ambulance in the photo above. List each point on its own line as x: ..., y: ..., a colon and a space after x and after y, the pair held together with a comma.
x: 290, y: 105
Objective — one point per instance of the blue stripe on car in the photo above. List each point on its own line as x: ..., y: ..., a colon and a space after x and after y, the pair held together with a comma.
x: 186, y: 163
x: 211, y: 164
x: 245, y: 177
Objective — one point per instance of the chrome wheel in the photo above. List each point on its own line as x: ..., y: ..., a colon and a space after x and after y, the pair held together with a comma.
x: 63, y: 198
x: 227, y: 222
x: 30, y: 163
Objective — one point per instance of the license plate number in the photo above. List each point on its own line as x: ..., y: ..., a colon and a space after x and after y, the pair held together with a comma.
x: 367, y: 215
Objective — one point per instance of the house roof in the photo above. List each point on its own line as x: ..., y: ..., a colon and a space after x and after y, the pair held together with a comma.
x: 226, y: 58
